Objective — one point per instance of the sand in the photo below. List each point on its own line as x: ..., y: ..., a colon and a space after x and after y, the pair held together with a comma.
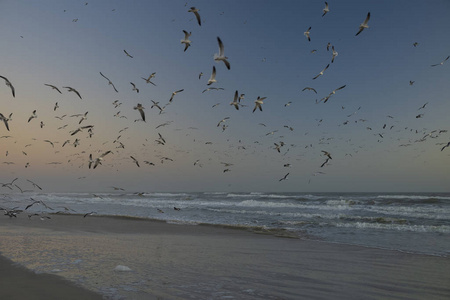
x: 124, y: 258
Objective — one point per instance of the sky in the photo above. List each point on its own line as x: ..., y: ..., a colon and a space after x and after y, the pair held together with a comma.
x: 375, y: 130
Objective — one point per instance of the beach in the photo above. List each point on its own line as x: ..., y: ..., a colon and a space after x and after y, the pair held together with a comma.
x: 132, y: 258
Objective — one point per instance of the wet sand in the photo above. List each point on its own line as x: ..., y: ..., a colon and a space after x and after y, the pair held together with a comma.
x: 168, y: 261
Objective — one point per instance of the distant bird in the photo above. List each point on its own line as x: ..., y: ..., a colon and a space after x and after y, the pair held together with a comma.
x: 419, y: 116
x: 33, y: 115
x: 326, y: 161
x: 306, y: 33
x: 174, y: 93
x: 56, y: 106
x: 134, y: 87
x: 309, y: 89
x: 109, y: 82
x: 200, y: 75
x: 89, y: 214
x: 439, y: 64
x: 223, y: 120
x: 73, y: 90
x: 127, y: 54
x: 334, y: 54
x: 326, y: 153
x: 364, y: 24
x: 411, y: 82
x: 321, y: 72
x: 235, y: 100
x: 326, y: 9
x: 415, y: 44
x: 140, y: 108
x: 147, y: 80
x: 186, y: 40
x: 5, y: 121
x: 135, y: 161
x: 212, y: 79
x: 8, y: 83
x: 221, y: 56
x: 34, y: 184
x: 195, y: 11
x: 97, y: 161
x: 285, y: 177
x: 423, y: 106
x: 50, y: 142
x: 448, y: 145
x: 258, y: 103
x: 53, y: 87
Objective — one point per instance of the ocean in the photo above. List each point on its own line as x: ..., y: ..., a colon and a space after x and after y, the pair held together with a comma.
x: 411, y: 222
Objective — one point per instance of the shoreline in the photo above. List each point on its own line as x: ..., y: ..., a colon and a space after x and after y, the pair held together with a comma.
x: 175, y: 261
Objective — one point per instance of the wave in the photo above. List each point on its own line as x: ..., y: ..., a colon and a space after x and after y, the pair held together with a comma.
x: 397, y: 227
x: 413, y: 197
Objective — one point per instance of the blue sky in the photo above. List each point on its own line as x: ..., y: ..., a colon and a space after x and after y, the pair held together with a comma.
x: 67, y: 43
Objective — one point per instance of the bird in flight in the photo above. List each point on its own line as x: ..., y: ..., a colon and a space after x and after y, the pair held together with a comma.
x: 235, y: 100
x: 73, y: 90
x: 8, y: 83
x: 134, y: 87
x: 140, y: 108
x: 364, y: 24
x: 212, y: 79
x: 147, y: 80
x: 221, y: 56
x: 326, y: 9
x: 109, y: 82
x: 285, y: 177
x: 258, y: 103
x: 5, y: 121
x: 53, y: 87
x: 439, y: 64
x: 309, y: 89
x: 186, y: 40
x: 195, y: 11
x: 127, y: 54
x: 174, y: 93
x: 306, y: 33
x: 321, y: 72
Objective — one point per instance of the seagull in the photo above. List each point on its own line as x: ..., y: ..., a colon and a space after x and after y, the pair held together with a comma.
x: 415, y: 44
x: 5, y: 121
x: 333, y: 92
x: 423, y: 106
x: 109, y: 82
x: 326, y: 153
x: 200, y: 75
x: 284, y: 178
x: 321, y: 72
x: 411, y: 82
x: 141, y: 110
x: 334, y: 54
x: 212, y: 79
x: 56, y: 106
x: 309, y: 89
x: 223, y: 120
x: 439, y: 64
x: 73, y: 90
x: 90, y: 213
x: 258, y: 103
x: 186, y: 40
x: 364, y: 24
x: 235, y: 101
x: 34, y: 184
x: 50, y: 142
x: 8, y: 83
x: 147, y: 80
x: 53, y: 87
x: 326, y: 161
x: 134, y: 87
x: 83, y: 117
x: 306, y: 33
x: 326, y: 9
x: 97, y: 161
x: 221, y: 56
x: 127, y: 54
x: 32, y: 116
x: 448, y: 145
x: 195, y: 11
x: 79, y: 129
x: 174, y: 93
x: 135, y: 161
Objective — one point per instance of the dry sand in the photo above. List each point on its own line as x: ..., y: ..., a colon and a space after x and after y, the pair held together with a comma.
x: 169, y: 261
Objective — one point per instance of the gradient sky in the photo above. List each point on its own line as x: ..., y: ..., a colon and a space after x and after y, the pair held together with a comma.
x: 269, y: 56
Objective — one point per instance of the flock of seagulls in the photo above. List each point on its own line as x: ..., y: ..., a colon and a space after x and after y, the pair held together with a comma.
x: 95, y: 160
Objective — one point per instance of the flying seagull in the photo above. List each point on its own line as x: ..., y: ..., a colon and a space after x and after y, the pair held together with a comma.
x: 141, y: 110
x: 309, y: 89
x: 127, y: 54
x: 34, y: 184
x: 334, y: 54
x: 32, y: 116
x: 448, y: 145
x: 109, y: 82
x: 439, y: 64
x: 212, y: 79
x: 134, y: 87
x: 306, y: 33
x: 135, y: 161
x: 258, y: 103
x: 53, y: 87
x: 5, y: 120
x: 284, y: 178
x: 73, y: 90
x: 174, y: 93
x: 195, y: 11
x: 147, y: 80
x: 364, y: 24
x: 186, y: 40
x: 326, y: 9
x: 321, y: 72
x: 8, y: 83
x: 221, y: 56
x: 235, y: 101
